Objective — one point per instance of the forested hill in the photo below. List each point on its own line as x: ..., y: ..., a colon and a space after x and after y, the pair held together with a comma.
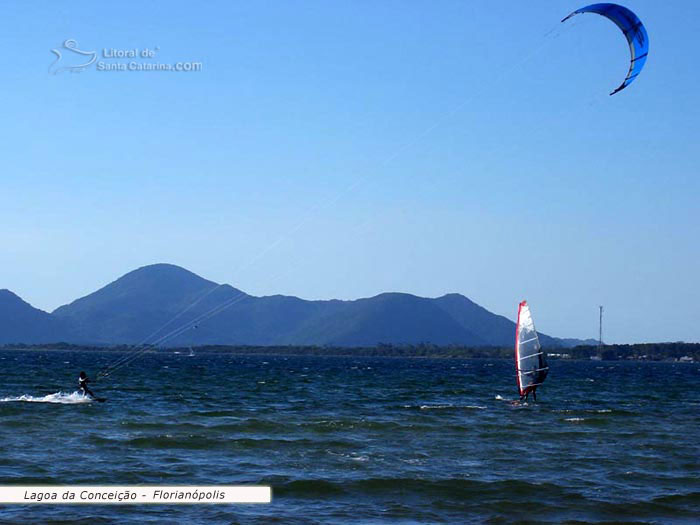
x: 170, y: 306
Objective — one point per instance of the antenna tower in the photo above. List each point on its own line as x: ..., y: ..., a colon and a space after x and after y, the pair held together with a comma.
x: 600, y: 328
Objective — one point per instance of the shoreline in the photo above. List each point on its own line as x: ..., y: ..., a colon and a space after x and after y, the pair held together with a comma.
x: 654, y: 352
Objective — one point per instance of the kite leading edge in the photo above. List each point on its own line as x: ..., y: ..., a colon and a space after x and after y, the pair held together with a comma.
x: 633, y: 29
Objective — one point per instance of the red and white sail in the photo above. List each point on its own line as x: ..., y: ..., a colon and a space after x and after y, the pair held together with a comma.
x: 530, y: 360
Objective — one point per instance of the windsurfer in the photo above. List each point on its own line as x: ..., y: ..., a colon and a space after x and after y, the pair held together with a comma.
x: 534, y: 394
x: 530, y: 357
x: 538, y: 377
x: 532, y: 390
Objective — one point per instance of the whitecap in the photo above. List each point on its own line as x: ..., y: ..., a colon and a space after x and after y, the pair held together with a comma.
x: 58, y: 397
x: 433, y: 407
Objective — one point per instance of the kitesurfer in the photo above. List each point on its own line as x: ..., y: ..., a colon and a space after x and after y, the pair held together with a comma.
x: 82, y: 382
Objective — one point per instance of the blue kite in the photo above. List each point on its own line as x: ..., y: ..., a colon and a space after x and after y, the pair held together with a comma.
x: 634, y: 31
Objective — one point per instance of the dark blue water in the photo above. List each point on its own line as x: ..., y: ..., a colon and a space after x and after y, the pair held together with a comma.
x: 361, y: 440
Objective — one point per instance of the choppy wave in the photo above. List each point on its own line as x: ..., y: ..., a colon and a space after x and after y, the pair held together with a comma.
x: 426, y: 441
x: 62, y: 398
x: 412, y: 488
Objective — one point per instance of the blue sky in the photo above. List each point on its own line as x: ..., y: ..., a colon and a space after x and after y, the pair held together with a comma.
x: 342, y: 149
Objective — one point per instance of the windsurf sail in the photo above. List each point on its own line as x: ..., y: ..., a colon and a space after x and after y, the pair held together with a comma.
x: 530, y: 360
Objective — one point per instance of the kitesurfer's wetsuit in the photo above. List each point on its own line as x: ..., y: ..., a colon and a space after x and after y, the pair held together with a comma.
x: 82, y: 383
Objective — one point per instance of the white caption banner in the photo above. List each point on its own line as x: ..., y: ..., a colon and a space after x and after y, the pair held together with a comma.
x: 130, y: 494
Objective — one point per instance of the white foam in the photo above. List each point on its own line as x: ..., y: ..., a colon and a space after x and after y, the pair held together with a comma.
x: 574, y: 419
x: 58, y: 397
x: 434, y: 407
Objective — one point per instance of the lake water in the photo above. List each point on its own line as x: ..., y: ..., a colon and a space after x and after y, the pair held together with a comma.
x: 356, y: 440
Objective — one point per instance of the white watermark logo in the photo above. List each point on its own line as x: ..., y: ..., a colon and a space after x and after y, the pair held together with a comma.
x: 72, y: 55
x: 71, y: 59
x: 135, y: 494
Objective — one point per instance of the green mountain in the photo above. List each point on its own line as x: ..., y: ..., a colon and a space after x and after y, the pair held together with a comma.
x: 20, y: 322
x: 166, y: 304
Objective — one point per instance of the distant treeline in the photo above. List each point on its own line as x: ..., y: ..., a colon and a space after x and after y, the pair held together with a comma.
x: 381, y: 350
x: 646, y: 351
x: 386, y: 350
x: 643, y: 351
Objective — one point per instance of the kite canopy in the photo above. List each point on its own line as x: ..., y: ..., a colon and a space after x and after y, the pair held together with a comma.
x: 634, y: 31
